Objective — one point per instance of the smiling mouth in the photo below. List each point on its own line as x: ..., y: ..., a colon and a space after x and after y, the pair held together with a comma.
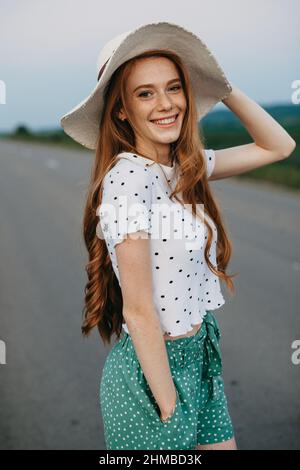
x: 165, y: 122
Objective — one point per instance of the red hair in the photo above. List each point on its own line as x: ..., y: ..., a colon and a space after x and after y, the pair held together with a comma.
x: 103, y: 296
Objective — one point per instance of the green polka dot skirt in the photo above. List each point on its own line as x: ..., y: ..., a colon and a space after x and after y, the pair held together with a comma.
x: 131, y: 417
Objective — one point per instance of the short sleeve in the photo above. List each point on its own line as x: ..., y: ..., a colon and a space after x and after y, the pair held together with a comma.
x: 210, y: 161
x: 126, y: 202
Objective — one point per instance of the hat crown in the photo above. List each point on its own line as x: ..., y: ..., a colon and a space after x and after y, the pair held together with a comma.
x: 108, y: 49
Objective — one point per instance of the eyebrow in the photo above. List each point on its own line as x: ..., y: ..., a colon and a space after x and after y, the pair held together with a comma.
x: 149, y: 85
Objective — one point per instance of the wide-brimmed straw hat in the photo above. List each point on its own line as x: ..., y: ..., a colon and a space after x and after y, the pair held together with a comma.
x: 207, y: 77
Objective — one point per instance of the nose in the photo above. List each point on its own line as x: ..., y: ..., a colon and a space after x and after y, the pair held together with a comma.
x: 164, y: 101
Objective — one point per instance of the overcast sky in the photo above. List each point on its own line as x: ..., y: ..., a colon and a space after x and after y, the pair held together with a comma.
x: 48, y: 48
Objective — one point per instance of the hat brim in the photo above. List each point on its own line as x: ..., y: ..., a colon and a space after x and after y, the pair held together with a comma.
x: 208, y: 80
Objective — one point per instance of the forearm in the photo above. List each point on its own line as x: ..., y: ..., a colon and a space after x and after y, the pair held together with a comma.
x: 147, y: 337
x: 265, y: 131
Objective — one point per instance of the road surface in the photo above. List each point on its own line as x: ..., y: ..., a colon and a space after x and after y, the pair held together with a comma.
x: 49, y: 384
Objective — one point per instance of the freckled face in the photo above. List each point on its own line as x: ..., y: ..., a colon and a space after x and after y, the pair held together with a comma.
x: 163, y: 98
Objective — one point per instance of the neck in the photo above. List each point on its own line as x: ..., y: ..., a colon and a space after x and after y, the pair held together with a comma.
x: 162, y: 156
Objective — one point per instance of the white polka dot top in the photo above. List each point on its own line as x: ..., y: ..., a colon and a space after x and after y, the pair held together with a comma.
x: 135, y: 197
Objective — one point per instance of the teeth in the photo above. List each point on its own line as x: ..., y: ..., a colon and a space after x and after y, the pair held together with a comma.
x: 165, y: 121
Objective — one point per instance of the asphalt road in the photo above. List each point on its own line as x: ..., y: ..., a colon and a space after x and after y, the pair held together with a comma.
x: 49, y: 384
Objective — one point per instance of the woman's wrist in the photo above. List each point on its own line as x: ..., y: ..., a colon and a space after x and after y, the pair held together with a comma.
x: 232, y: 95
x: 165, y: 418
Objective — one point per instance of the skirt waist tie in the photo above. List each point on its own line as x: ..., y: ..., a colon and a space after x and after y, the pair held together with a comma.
x: 212, y: 360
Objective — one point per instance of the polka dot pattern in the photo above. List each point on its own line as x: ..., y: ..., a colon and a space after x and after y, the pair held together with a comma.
x: 130, y: 413
x: 136, y: 197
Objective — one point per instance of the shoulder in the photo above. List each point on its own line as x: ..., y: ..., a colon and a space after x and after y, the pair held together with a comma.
x: 127, y: 178
x: 126, y: 172
x: 126, y: 201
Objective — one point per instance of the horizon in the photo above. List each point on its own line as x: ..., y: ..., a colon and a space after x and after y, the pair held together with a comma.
x: 47, y: 74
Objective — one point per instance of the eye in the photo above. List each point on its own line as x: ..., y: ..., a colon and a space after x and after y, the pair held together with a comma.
x: 176, y: 86
x: 144, y: 93
x: 171, y: 88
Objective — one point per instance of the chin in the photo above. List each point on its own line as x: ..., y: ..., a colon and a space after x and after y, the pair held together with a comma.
x: 168, y: 140
x: 166, y: 136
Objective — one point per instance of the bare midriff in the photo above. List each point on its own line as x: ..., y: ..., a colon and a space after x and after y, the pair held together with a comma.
x: 189, y: 333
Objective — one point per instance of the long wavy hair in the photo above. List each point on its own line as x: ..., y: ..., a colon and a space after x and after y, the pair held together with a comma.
x: 103, y: 297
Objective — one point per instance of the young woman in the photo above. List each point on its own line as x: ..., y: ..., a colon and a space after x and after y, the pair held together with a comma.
x: 156, y: 240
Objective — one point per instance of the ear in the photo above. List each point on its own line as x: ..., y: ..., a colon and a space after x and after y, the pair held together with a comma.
x: 121, y: 114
